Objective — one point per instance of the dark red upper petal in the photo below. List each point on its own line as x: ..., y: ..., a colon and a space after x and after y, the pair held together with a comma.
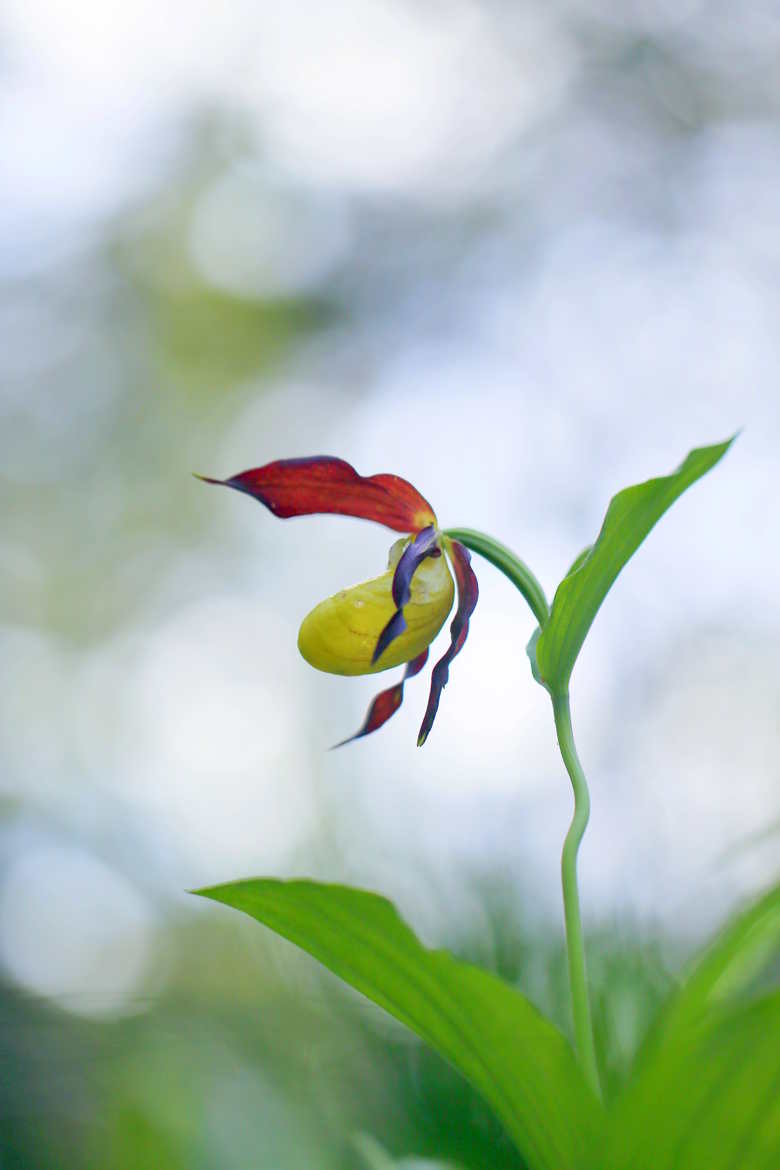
x: 322, y: 483
x: 386, y: 703
x: 468, y: 593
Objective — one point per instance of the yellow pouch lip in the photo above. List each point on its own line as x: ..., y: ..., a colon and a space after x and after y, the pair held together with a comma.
x: 340, y: 634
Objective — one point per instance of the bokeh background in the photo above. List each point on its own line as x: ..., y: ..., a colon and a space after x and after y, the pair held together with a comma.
x: 521, y: 253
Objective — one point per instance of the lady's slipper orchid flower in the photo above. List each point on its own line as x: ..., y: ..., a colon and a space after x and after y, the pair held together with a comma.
x: 393, y: 618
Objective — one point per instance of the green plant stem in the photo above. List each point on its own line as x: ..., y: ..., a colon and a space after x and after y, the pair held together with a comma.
x: 510, y: 565
x: 524, y: 580
x: 583, y: 1027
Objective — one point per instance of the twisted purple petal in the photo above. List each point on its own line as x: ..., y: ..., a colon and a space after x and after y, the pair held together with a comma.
x: 468, y: 594
x: 424, y: 545
x: 387, y: 702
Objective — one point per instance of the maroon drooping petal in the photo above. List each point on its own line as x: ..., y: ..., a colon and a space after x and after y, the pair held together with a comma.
x: 468, y: 593
x: 322, y: 483
x: 424, y: 545
x: 387, y: 702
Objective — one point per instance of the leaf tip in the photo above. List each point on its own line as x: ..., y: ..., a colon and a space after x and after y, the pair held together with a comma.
x: 213, y: 893
x: 724, y: 445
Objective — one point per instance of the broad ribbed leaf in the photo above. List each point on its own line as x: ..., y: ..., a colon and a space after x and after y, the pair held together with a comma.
x: 723, y: 970
x: 631, y: 515
x: 706, y: 1089
x: 711, y: 1101
x: 512, y: 1055
x: 738, y: 954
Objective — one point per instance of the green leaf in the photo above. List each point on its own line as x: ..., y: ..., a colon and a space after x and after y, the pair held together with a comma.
x: 579, y: 560
x: 706, y: 1089
x: 738, y: 955
x: 711, y: 1102
x: 722, y: 971
x: 631, y: 515
x: 531, y: 652
x: 512, y: 1055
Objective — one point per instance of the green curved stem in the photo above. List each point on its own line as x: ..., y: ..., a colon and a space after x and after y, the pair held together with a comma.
x: 524, y: 580
x: 583, y: 1027
x: 510, y: 565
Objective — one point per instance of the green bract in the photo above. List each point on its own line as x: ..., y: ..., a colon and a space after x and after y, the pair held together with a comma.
x: 630, y: 516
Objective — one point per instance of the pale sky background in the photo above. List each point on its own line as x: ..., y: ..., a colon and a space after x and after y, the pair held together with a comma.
x: 549, y: 238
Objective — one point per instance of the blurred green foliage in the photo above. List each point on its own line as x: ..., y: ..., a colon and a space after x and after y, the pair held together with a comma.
x: 251, y: 1057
